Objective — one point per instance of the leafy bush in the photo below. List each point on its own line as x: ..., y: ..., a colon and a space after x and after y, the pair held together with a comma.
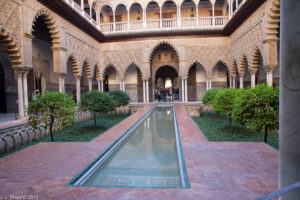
x: 258, y: 108
x: 51, y: 108
x: 224, y: 102
x: 120, y: 98
x: 96, y: 102
x: 209, y: 96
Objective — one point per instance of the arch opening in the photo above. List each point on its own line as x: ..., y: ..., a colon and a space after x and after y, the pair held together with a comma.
x: 134, y: 83
x: 169, y: 14
x: 220, y: 76
x: 188, y: 13
x: 196, y: 82
x: 153, y: 15
x: 121, y: 17
x: 111, y: 79
x: 42, y: 76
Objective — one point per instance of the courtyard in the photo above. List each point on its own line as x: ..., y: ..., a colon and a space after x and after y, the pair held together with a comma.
x: 216, y: 170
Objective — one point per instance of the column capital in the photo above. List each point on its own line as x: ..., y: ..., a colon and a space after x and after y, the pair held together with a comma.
x: 269, y: 68
x: 58, y: 48
x: 61, y: 75
x: 184, y: 77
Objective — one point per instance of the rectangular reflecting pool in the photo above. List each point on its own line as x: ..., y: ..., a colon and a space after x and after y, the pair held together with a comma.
x: 148, y: 155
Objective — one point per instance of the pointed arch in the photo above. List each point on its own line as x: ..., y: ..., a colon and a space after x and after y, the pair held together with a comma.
x: 234, y: 69
x: 163, y: 44
x: 195, y: 63
x: 221, y: 61
x: 107, y: 67
x: 12, y: 47
x: 97, y: 71
x: 88, y: 69
x: 256, y: 55
x: 243, y: 65
x: 51, y: 25
x: 74, y: 63
x: 132, y: 64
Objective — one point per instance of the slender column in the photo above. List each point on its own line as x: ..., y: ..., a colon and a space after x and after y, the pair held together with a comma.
x: 102, y: 86
x: 20, y: 94
x: 230, y: 82
x: 61, y: 82
x: 144, y: 18
x: 241, y: 81
x: 25, y: 90
x: 98, y: 17
x: 289, y: 114
x: 270, y: 77
x: 186, y: 90
x: 123, y: 85
x: 178, y: 16
x: 236, y: 4
x: 160, y: 17
x: 147, y: 90
x: 144, y: 91
x: 197, y: 15
x: 78, y: 88
x: 99, y: 84
x: 91, y: 11
x: 233, y: 82
x: 114, y: 21
x: 128, y: 19
x: 182, y: 90
x: 213, y: 13
x: 82, y: 4
x: 209, y: 83
x: 90, y: 80
x: 253, y: 79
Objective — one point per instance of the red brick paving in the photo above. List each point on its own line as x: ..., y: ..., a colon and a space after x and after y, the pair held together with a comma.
x: 217, y: 170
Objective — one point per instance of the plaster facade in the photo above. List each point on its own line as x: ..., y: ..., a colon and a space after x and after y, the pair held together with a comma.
x: 75, y: 62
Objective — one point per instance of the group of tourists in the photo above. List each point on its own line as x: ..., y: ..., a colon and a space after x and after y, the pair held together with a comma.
x: 165, y: 94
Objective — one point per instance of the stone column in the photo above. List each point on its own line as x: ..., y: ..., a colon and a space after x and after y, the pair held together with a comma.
x: 230, y: 82
x: 236, y: 4
x: 61, y: 81
x: 233, y: 82
x: 178, y: 16
x: 213, y: 14
x: 209, y: 81
x: 91, y: 11
x: 121, y: 85
x: 270, y: 76
x: 241, y: 80
x: 197, y: 15
x: 207, y: 84
x: 114, y: 21
x: 289, y: 114
x: 78, y: 88
x: 160, y: 17
x: 82, y: 4
x: 99, y: 84
x: 144, y: 18
x: 182, y: 90
x: 128, y: 19
x: 102, y: 85
x: 144, y: 90
x: 20, y: 93
x: 253, y: 79
x: 124, y: 86
x: 186, y: 91
x: 25, y: 91
x: 147, y: 90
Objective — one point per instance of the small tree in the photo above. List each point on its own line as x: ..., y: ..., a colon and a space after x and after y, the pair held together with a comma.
x: 120, y: 98
x: 96, y: 102
x: 224, y: 102
x: 259, y: 108
x: 209, y: 96
x: 51, y: 109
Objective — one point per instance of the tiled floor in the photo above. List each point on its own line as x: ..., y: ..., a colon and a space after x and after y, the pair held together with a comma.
x: 216, y: 171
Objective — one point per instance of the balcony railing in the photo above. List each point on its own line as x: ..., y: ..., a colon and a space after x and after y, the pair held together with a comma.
x: 153, y: 24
